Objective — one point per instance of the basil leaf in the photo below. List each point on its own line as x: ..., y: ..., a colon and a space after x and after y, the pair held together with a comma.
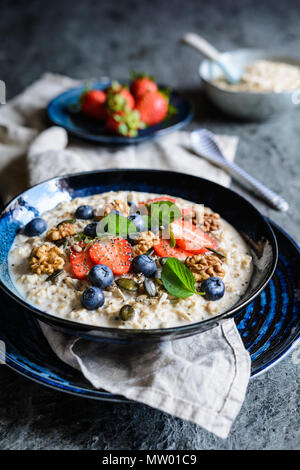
x: 116, y: 224
x: 177, y: 278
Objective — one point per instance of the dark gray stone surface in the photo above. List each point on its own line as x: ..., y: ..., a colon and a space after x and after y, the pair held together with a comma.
x: 95, y: 38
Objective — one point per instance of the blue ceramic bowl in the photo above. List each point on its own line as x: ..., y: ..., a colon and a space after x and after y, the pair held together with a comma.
x: 45, y: 196
x: 63, y: 111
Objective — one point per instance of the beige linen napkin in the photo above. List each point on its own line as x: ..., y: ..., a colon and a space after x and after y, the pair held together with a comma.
x: 203, y: 378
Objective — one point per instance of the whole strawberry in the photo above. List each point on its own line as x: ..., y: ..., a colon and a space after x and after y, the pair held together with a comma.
x: 93, y: 104
x: 119, y: 98
x: 126, y: 123
x: 153, y: 107
x: 141, y: 84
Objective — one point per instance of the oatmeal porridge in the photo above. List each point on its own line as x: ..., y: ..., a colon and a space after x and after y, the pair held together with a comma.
x: 146, y: 272
x: 265, y: 76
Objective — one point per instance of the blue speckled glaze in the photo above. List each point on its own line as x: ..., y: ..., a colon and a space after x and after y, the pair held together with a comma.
x: 270, y: 326
x: 24, y: 208
x: 28, y: 353
x: 47, y: 195
x: 59, y: 112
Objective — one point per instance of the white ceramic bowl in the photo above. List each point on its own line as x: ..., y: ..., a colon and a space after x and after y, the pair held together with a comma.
x: 248, y: 105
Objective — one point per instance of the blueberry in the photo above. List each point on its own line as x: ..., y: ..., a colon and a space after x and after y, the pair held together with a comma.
x: 138, y: 221
x: 213, y: 287
x: 84, y: 212
x: 101, y: 276
x: 35, y: 227
x: 90, y: 230
x: 144, y: 264
x: 92, y: 298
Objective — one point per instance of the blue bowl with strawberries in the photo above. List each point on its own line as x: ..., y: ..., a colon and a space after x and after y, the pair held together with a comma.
x: 120, y: 113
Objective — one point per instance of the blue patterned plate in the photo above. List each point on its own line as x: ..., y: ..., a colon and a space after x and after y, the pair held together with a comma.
x: 269, y: 327
x: 62, y: 112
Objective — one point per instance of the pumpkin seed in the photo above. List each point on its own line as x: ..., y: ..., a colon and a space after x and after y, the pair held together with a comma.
x: 157, y: 278
x: 126, y: 312
x: 221, y: 255
x: 150, y: 287
x: 149, y: 252
x: 127, y: 284
x: 54, y: 275
x: 157, y: 274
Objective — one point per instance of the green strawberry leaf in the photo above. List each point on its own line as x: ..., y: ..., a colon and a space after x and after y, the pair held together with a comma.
x: 123, y: 128
x: 134, y: 75
x: 165, y: 92
x: 171, y: 111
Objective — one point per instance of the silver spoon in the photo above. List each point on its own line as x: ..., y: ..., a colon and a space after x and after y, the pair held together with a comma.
x: 232, y: 73
x: 203, y: 143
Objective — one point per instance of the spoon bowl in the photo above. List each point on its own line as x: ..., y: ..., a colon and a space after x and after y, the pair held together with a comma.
x: 203, y: 143
x: 232, y: 71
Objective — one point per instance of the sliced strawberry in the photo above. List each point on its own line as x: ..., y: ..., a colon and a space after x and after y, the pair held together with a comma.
x: 80, y: 261
x: 192, y: 238
x: 187, y: 212
x: 115, y: 253
x: 163, y: 249
x: 161, y: 198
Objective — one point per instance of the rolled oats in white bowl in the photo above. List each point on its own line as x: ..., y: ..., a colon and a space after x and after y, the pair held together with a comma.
x: 265, y: 76
x: 269, y: 85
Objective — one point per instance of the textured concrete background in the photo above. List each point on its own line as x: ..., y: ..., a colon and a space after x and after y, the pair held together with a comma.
x: 95, y: 38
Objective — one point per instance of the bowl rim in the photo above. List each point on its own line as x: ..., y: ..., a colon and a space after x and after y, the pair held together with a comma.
x: 249, y: 93
x: 71, y: 324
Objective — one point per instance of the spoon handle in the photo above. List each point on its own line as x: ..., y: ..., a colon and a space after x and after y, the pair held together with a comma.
x: 199, y: 43
x: 260, y: 189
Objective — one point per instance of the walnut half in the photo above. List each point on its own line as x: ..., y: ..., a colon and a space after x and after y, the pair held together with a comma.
x: 46, y: 259
x: 208, y: 221
x: 144, y: 242
x: 63, y: 230
x: 117, y: 205
x: 205, y: 266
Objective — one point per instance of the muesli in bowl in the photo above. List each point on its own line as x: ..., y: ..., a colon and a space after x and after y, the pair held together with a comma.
x: 131, y: 260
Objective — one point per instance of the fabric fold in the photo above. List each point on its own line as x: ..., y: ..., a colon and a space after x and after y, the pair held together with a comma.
x: 202, y: 378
